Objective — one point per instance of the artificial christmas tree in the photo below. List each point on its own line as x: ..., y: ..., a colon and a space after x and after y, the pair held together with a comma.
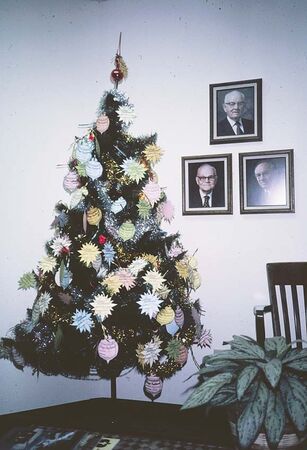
x: 113, y: 289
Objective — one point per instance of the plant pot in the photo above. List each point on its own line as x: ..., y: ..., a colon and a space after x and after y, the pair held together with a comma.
x: 290, y: 440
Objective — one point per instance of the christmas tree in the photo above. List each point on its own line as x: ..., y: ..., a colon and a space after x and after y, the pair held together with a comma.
x: 113, y: 289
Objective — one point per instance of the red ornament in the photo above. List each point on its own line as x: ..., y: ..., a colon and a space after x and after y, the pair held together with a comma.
x: 102, y: 239
x: 117, y: 75
x: 65, y: 251
x: 91, y: 137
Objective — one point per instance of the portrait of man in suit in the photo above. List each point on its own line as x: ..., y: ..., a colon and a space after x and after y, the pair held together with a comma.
x: 204, y: 191
x: 234, y: 122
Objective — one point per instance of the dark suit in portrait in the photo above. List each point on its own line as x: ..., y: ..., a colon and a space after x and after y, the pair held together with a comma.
x: 225, y: 129
x: 195, y: 200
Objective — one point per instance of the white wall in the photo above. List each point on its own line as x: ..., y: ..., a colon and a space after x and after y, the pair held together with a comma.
x: 55, y: 65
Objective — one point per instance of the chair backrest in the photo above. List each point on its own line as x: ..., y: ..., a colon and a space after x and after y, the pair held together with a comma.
x: 287, y: 283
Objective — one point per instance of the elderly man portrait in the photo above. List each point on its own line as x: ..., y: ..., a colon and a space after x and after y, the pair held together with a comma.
x: 206, y: 190
x: 268, y: 186
x: 234, y: 106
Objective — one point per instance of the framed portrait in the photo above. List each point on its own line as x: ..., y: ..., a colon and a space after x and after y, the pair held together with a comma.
x: 236, y: 111
x: 266, y: 182
x: 207, y: 184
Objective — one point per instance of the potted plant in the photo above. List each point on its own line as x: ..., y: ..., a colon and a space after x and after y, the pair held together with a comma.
x: 265, y: 387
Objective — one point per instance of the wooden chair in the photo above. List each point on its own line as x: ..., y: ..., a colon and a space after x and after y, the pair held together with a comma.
x: 287, y: 282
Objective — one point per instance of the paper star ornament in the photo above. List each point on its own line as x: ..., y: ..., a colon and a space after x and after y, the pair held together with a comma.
x: 152, y: 259
x: 182, y: 269
x: 27, y: 281
x: 126, y: 278
x: 152, y: 191
x: 88, y: 253
x: 126, y: 114
x: 149, y: 353
x: 173, y: 348
x: 77, y: 196
x: 82, y: 320
x: 47, y: 264
x: 153, y: 153
x: 134, y: 169
x: 154, y: 278
x: 60, y: 245
x: 103, y: 306
x: 113, y: 283
x: 137, y: 266
x: 108, y: 253
x: 149, y: 304
x: 166, y: 211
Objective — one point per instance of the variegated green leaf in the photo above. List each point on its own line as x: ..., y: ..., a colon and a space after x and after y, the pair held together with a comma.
x: 252, y: 417
x: 204, y: 393
x: 225, y: 396
x: 97, y: 146
x: 234, y: 355
x: 276, y: 344
x: 295, y: 355
x: 228, y: 366
x: 250, y: 348
x: 244, y: 380
x: 300, y: 365
x: 272, y: 371
x: 27, y: 281
x: 275, y: 419
x: 295, y: 398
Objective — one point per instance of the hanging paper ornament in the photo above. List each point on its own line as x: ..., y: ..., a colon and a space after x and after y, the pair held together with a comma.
x: 175, y: 250
x: 166, y: 211
x: 102, y: 123
x: 108, y: 253
x: 61, y: 220
x: 84, y: 221
x: 134, y: 169
x: 80, y: 168
x: 173, y: 348
x: 172, y: 328
x: 77, y: 196
x: 152, y: 259
x: 61, y: 245
x: 65, y: 298
x: 179, y: 317
x: 205, y: 339
x: 113, y: 284
x: 153, y: 153
x: 107, y: 349
x: 126, y: 278
x: 149, y: 353
x: 27, y: 281
x: 166, y: 315
x: 47, y: 264
x: 152, y: 191
x: 103, y: 306
x: 96, y: 264
x: 88, y: 253
x: 126, y: 230
x: 82, y: 320
x: 126, y: 114
x: 193, y: 262
x: 40, y: 306
x: 102, y: 272
x: 94, y: 216
x: 183, y: 355
x: 71, y: 181
x: 182, y: 269
x: 195, y: 280
x: 84, y: 148
x: 63, y: 277
x: 143, y: 208
x: 149, y: 304
x: 153, y: 386
x: 93, y: 169
x: 118, y: 205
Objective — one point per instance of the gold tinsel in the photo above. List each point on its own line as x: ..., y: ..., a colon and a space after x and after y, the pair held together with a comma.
x: 57, y: 317
x: 124, y: 258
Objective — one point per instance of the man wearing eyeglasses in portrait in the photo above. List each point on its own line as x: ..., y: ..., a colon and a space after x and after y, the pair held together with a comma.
x: 206, y: 195
x: 234, y: 106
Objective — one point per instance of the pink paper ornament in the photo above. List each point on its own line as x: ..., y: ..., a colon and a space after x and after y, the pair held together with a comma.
x: 183, y: 355
x: 152, y: 191
x: 71, y: 181
x: 167, y: 210
x: 102, y: 123
x: 107, y: 349
x: 153, y: 386
x: 179, y: 317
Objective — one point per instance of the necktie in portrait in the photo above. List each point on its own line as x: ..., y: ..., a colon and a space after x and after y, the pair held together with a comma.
x: 206, y: 201
x: 238, y: 128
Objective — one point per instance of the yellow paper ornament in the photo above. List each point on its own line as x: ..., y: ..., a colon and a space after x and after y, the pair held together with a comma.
x: 88, y: 253
x: 126, y: 231
x: 166, y: 315
x: 113, y: 283
x: 153, y: 153
x: 94, y: 216
x: 182, y: 269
